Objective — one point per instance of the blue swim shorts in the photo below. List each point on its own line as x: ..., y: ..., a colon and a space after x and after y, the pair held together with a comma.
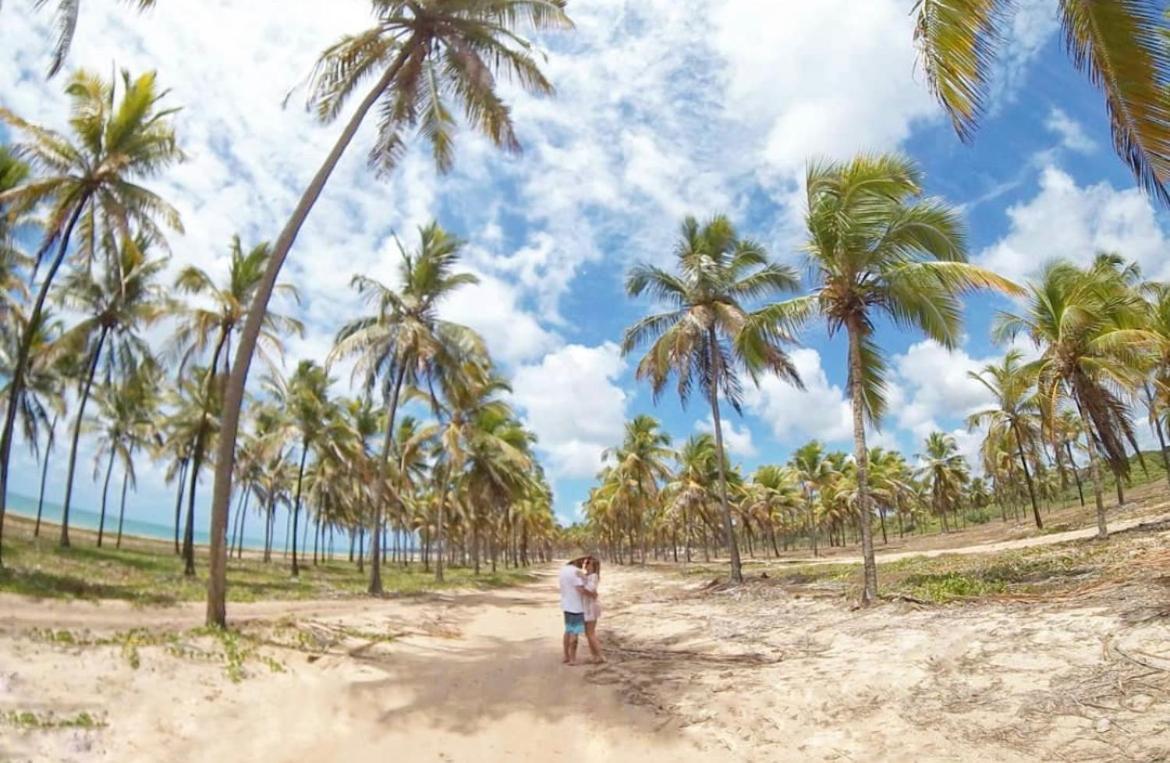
x: 574, y: 623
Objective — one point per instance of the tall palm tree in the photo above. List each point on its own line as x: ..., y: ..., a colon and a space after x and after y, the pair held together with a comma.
x: 1016, y: 412
x: 1158, y: 322
x: 706, y: 333
x: 424, y: 54
x: 405, y: 341
x: 877, y: 247
x: 119, y: 301
x: 1094, y: 353
x: 67, y: 14
x: 116, y: 144
x: 1118, y: 45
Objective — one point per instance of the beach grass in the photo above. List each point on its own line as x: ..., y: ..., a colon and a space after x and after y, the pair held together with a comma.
x: 149, y: 573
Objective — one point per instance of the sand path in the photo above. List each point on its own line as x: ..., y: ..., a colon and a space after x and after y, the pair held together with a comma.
x: 474, y: 676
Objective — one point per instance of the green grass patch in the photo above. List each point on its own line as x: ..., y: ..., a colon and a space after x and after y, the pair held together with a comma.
x: 26, y: 719
x: 150, y: 574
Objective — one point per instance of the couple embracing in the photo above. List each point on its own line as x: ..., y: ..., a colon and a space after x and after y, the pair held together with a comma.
x: 579, y: 579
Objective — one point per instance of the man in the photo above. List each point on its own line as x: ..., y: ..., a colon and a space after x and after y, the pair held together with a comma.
x: 572, y: 581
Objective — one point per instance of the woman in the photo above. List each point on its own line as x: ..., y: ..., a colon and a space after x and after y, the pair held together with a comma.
x: 592, y: 607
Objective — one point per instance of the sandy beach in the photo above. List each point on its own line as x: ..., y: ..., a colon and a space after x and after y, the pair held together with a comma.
x: 696, y: 673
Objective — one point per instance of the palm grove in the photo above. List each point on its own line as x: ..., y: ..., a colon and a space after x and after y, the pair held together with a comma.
x: 78, y: 302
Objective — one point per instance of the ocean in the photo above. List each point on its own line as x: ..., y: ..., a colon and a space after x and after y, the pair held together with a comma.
x: 24, y: 506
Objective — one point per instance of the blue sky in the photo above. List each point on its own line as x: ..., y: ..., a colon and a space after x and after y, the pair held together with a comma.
x: 665, y: 107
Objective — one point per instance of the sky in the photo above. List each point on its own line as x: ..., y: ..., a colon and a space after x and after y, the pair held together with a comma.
x: 663, y: 108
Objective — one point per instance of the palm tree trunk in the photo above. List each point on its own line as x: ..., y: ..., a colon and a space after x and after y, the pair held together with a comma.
x: 105, y: 496
x: 861, y: 455
x: 122, y: 507
x: 439, y: 528
x: 179, y: 502
x: 1157, y: 426
x: 375, y: 587
x: 713, y: 395
x: 234, y: 396
x: 93, y: 364
x: 16, y: 383
x: 297, y: 507
x: 1094, y: 472
x: 45, y: 474
x: 193, y: 483
x: 1076, y: 472
x: 1027, y: 475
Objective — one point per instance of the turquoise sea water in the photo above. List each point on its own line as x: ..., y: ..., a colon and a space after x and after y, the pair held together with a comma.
x: 24, y: 506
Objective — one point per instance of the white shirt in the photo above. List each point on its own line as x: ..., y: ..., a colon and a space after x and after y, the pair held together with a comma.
x: 571, y: 584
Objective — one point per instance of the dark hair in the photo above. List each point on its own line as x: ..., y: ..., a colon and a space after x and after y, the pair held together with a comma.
x: 593, y: 561
x: 579, y: 562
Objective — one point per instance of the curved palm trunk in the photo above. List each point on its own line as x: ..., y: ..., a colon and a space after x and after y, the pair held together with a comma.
x: 45, y: 475
x: 861, y: 454
x: 1077, y: 472
x: 93, y: 364
x: 179, y: 503
x: 1027, y: 476
x: 728, y: 526
x: 16, y: 385
x: 105, y: 496
x: 234, y: 395
x: 297, y: 507
x: 122, y: 508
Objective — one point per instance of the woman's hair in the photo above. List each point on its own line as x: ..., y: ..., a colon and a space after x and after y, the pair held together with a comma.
x: 593, y: 565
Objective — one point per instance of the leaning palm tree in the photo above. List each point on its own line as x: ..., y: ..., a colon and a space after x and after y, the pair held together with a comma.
x: 405, y: 341
x: 116, y: 144
x: 1090, y: 329
x: 119, y: 301
x: 1119, y: 45
x: 67, y: 13
x: 876, y: 247
x: 706, y: 333
x: 197, y: 403
x: 1016, y: 412
x: 424, y: 54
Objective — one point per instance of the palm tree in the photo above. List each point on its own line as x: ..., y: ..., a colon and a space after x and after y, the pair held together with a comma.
x: 305, y: 397
x: 67, y: 14
x: 124, y: 413
x: 877, y: 247
x: 202, y: 326
x: 814, y: 470
x: 640, y: 465
x: 197, y: 404
x: 1158, y: 322
x: 405, y: 341
x: 1016, y: 412
x: 1094, y: 353
x: 1118, y: 45
x: 118, y: 301
x: 945, y: 471
x: 427, y: 52
x: 706, y: 334
x: 117, y: 144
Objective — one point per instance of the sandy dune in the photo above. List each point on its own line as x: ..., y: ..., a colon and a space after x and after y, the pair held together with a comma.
x: 748, y: 674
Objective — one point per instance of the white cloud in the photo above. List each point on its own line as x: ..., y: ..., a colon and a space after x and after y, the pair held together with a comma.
x: 819, y: 411
x: 737, y: 440
x: 1071, y: 133
x: 572, y: 402
x: 492, y: 308
x: 1066, y: 220
x: 935, y: 385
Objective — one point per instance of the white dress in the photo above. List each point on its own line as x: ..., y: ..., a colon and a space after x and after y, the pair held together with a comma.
x: 592, y: 603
